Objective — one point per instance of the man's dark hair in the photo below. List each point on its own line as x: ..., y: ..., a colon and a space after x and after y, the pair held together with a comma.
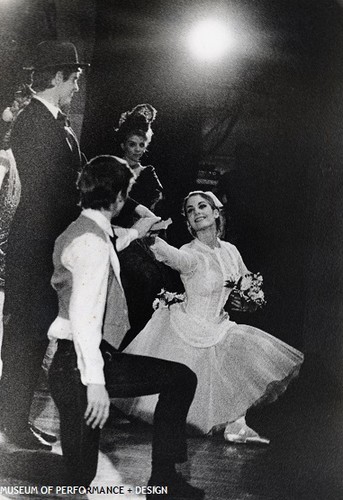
x: 41, y: 78
x: 102, y: 179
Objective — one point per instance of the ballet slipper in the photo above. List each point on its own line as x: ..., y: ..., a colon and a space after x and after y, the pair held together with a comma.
x: 245, y: 435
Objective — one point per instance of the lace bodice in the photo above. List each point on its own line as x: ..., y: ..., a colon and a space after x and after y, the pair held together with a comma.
x: 9, y: 200
x: 203, y: 272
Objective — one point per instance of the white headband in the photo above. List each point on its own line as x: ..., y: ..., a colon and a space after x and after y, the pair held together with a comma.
x: 217, y: 203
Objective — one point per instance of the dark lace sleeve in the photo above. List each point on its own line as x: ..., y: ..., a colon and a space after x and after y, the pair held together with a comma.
x: 147, y: 188
x: 127, y: 215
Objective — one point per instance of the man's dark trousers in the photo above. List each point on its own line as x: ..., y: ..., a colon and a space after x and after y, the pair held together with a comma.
x: 126, y: 376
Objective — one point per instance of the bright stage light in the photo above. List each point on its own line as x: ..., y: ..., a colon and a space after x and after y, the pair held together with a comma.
x: 210, y: 39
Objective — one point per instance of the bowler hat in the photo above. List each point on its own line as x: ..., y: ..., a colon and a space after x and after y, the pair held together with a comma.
x: 52, y: 54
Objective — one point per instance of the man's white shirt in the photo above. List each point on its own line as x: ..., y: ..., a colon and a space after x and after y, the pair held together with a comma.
x: 89, y: 258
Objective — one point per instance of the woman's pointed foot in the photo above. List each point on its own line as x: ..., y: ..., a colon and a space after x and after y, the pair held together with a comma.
x: 245, y: 435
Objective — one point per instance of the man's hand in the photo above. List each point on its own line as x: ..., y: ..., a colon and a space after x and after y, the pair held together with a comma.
x: 143, y: 211
x: 144, y: 225
x: 98, y: 408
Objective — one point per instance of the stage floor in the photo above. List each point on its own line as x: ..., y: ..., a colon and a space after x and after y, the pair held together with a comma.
x: 303, y: 461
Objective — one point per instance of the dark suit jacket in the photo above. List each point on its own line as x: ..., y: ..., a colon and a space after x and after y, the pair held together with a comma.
x: 48, y: 168
x: 48, y: 171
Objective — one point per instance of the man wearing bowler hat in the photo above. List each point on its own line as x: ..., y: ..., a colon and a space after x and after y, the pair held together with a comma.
x: 48, y: 159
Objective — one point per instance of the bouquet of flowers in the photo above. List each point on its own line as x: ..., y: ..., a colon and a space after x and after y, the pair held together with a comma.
x: 167, y: 299
x: 249, y: 289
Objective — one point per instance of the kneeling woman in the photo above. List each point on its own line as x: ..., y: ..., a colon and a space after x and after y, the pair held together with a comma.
x: 238, y: 366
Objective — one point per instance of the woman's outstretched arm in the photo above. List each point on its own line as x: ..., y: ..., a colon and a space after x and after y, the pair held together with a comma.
x: 182, y: 260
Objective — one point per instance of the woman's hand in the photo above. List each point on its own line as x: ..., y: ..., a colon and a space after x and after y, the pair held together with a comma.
x: 236, y: 303
x: 98, y: 408
x: 162, y: 225
x: 157, y: 229
x: 145, y: 224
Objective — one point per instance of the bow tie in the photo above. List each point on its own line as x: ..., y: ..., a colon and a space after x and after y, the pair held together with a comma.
x: 63, y: 118
x: 114, y: 239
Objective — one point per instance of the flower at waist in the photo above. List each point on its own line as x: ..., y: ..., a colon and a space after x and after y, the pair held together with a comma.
x: 248, y: 287
x: 167, y: 299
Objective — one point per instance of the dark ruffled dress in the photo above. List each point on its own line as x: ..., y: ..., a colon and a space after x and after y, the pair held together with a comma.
x: 142, y: 275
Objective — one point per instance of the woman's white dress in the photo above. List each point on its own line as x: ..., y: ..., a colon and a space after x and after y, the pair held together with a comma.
x: 237, y: 366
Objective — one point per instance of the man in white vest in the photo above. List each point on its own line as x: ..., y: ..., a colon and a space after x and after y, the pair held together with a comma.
x: 87, y: 369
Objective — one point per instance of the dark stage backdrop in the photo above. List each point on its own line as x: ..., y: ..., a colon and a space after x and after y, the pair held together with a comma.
x: 22, y: 25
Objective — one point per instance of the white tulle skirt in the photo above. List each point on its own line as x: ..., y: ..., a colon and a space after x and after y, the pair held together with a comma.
x: 244, y: 368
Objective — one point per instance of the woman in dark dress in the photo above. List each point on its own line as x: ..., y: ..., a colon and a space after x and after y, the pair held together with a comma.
x: 142, y: 275
x: 10, y: 186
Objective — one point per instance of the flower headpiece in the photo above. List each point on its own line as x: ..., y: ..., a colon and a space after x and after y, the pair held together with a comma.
x: 146, y: 110
x: 22, y: 98
x: 138, y: 119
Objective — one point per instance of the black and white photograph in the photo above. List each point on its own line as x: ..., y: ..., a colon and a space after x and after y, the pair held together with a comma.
x: 171, y: 249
